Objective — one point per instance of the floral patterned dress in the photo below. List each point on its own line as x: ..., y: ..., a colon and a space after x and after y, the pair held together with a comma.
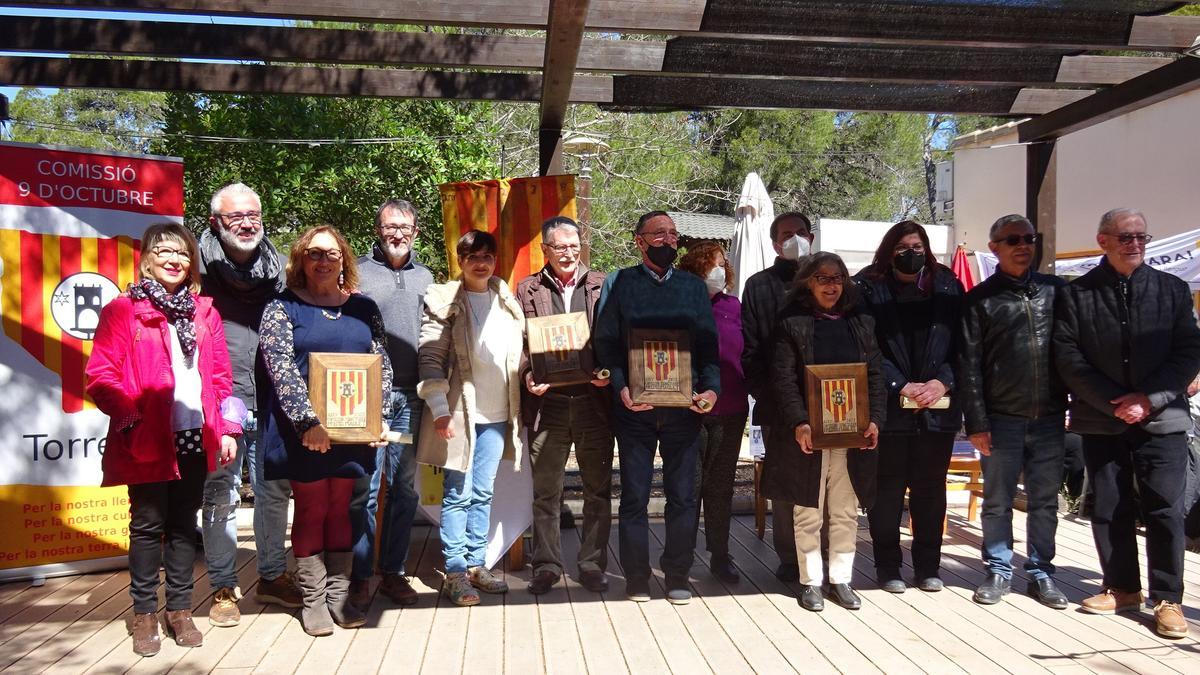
x: 291, y: 330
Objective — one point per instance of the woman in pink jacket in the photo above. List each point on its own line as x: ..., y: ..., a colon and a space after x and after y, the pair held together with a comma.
x: 160, y: 370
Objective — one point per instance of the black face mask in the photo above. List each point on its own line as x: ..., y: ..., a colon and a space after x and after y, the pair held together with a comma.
x: 662, y: 255
x: 909, y: 262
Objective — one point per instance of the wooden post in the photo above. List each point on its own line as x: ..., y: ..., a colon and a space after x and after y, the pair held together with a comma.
x: 1041, y: 199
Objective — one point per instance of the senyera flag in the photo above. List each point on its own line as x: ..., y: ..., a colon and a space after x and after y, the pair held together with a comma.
x: 511, y: 209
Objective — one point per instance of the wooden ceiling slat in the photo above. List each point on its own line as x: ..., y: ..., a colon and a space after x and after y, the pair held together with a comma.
x: 313, y: 81
x: 1031, y: 101
x: 1164, y: 32
x: 1106, y: 69
x: 563, y: 37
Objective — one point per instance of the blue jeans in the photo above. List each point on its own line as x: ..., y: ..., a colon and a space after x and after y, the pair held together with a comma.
x: 675, y: 432
x: 467, y: 501
x: 218, y: 512
x: 397, y: 461
x: 1035, y: 447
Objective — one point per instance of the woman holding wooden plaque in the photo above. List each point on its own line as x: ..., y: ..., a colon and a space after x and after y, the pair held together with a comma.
x: 320, y: 313
x: 821, y: 326
x: 916, y: 302
x: 160, y: 370
x: 472, y: 337
x: 722, y: 430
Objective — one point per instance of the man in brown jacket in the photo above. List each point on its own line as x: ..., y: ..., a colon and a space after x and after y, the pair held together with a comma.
x: 564, y: 415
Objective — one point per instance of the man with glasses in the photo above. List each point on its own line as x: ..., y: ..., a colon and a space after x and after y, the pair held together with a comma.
x: 763, y: 297
x: 1127, y: 346
x: 1014, y: 402
x: 392, y: 277
x: 654, y: 295
x: 241, y: 270
x: 562, y: 416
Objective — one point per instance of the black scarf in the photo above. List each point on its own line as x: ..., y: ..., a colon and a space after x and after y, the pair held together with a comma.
x: 254, y: 284
x: 179, y: 308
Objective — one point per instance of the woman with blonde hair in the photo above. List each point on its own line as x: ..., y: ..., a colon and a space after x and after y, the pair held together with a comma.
x: 160, y: 370
x: 319, y: 312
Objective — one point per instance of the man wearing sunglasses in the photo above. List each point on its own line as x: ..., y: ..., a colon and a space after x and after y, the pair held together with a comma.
x: 242, y: 271
x: 1127, y: 346
x: 392, y: 277
x: 1013, y: 402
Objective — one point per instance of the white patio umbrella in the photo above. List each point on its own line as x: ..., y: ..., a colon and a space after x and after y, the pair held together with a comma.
x: 751, y: 249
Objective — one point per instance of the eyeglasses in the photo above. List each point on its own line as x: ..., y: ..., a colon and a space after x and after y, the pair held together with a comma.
x: 830, y: 279
x: 1130, y: 237
x: 916, y: 248
x: 480, y: 259
x: 319, y: 254
x: 242, y: 216
x: 402, y: 229
x: 660, y: 235
x: 564, y: 248
x: 163, y: 253
x: 1015, y: 239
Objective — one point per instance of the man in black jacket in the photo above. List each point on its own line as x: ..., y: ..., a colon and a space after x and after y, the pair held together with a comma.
x: 1013, y: 402
x: 1127, y: 345
x: 762, y: 299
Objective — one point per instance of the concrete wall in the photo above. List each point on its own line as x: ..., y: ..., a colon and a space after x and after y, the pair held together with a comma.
x: 856, y: 240
x: 1148, y: 159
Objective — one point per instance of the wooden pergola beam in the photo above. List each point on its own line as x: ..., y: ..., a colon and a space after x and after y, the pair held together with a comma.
x: 564, y: 34
x: 1087, y: 25
x: 311, y: 81
x: 1157, y: 85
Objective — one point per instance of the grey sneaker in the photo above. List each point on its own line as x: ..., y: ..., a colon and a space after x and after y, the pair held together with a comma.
x: 678, y: 593
x: 459, y: 589
x: 483, y: 579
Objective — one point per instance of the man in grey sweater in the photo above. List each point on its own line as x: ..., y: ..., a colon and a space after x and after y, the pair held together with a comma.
x: 391, y: 276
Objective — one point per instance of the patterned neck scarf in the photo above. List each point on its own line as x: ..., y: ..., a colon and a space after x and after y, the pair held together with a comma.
x: 179, y: 308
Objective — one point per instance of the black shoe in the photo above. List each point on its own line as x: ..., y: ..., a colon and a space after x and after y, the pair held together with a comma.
x: 542, y: 582
x: 723, y: 569
x: 930, y: 584
x: 1044, y: 591
x: 637, y: 590
x: 992, y: 589
x: 810, y: 598
x: 566, y: 519
x: 593, y: 580
x: 895, y: 585
x: 845, y: 596
x: 787, y: 572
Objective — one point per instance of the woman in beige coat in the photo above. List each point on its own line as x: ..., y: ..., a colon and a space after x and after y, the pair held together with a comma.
x: 469, y: 354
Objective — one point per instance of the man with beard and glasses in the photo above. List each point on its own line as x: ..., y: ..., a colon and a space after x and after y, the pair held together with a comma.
x: 391, y: 276
x: 653, y: 295
x: 566, y: 415
x: 241, y: 271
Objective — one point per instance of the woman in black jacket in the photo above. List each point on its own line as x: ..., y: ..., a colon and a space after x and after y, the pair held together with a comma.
x: 824, y: 328
x: 916, y: 302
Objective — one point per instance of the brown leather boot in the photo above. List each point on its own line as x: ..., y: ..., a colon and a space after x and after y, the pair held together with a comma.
x: 144, y: 629
x: 178, y: 624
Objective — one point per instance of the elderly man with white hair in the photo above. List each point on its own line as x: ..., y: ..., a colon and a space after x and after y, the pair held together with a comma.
x: 1127, y: 346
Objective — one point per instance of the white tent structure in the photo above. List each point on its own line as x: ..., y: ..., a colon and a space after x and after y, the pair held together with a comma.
x: 1178, y: 254
x: 751, y: 249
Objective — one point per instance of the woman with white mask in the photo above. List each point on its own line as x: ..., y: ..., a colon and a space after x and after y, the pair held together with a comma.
x: 722, y: 429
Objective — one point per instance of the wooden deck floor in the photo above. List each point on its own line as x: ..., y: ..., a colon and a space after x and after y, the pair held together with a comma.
x: 76, y: 624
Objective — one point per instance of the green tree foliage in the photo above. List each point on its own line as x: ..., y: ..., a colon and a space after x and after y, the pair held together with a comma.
x: 98, y: 119
x: 339, y: 183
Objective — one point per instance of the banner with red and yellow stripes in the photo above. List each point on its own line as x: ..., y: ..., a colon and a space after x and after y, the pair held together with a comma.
x: 511, y: 209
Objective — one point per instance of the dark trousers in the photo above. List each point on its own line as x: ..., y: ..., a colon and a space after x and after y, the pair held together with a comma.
x: 676, y: 434
x: 1033, y: 447
x: 783, y: 529
x: 916, y: 463
x: 1158, y: 466
x: 162, y: 533
x: 567, y: 421
x: 720, y: 445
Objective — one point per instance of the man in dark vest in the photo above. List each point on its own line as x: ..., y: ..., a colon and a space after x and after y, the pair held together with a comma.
x: 559, y: 417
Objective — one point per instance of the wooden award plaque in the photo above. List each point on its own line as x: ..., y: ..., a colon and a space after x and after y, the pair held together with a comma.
x: 346, y: 391
x: 660, y: 367
x: 558, y: 349
x: 839, y: 406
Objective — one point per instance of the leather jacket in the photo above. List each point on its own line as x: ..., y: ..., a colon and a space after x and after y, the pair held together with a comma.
x: 1005, y: 364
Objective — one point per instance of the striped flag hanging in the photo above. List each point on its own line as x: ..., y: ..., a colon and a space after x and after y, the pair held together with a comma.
x: 52, y: 289
x: 511, y: 209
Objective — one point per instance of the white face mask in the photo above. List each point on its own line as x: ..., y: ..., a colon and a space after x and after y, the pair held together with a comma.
x: 796, y: 248
x: 715, y: 280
